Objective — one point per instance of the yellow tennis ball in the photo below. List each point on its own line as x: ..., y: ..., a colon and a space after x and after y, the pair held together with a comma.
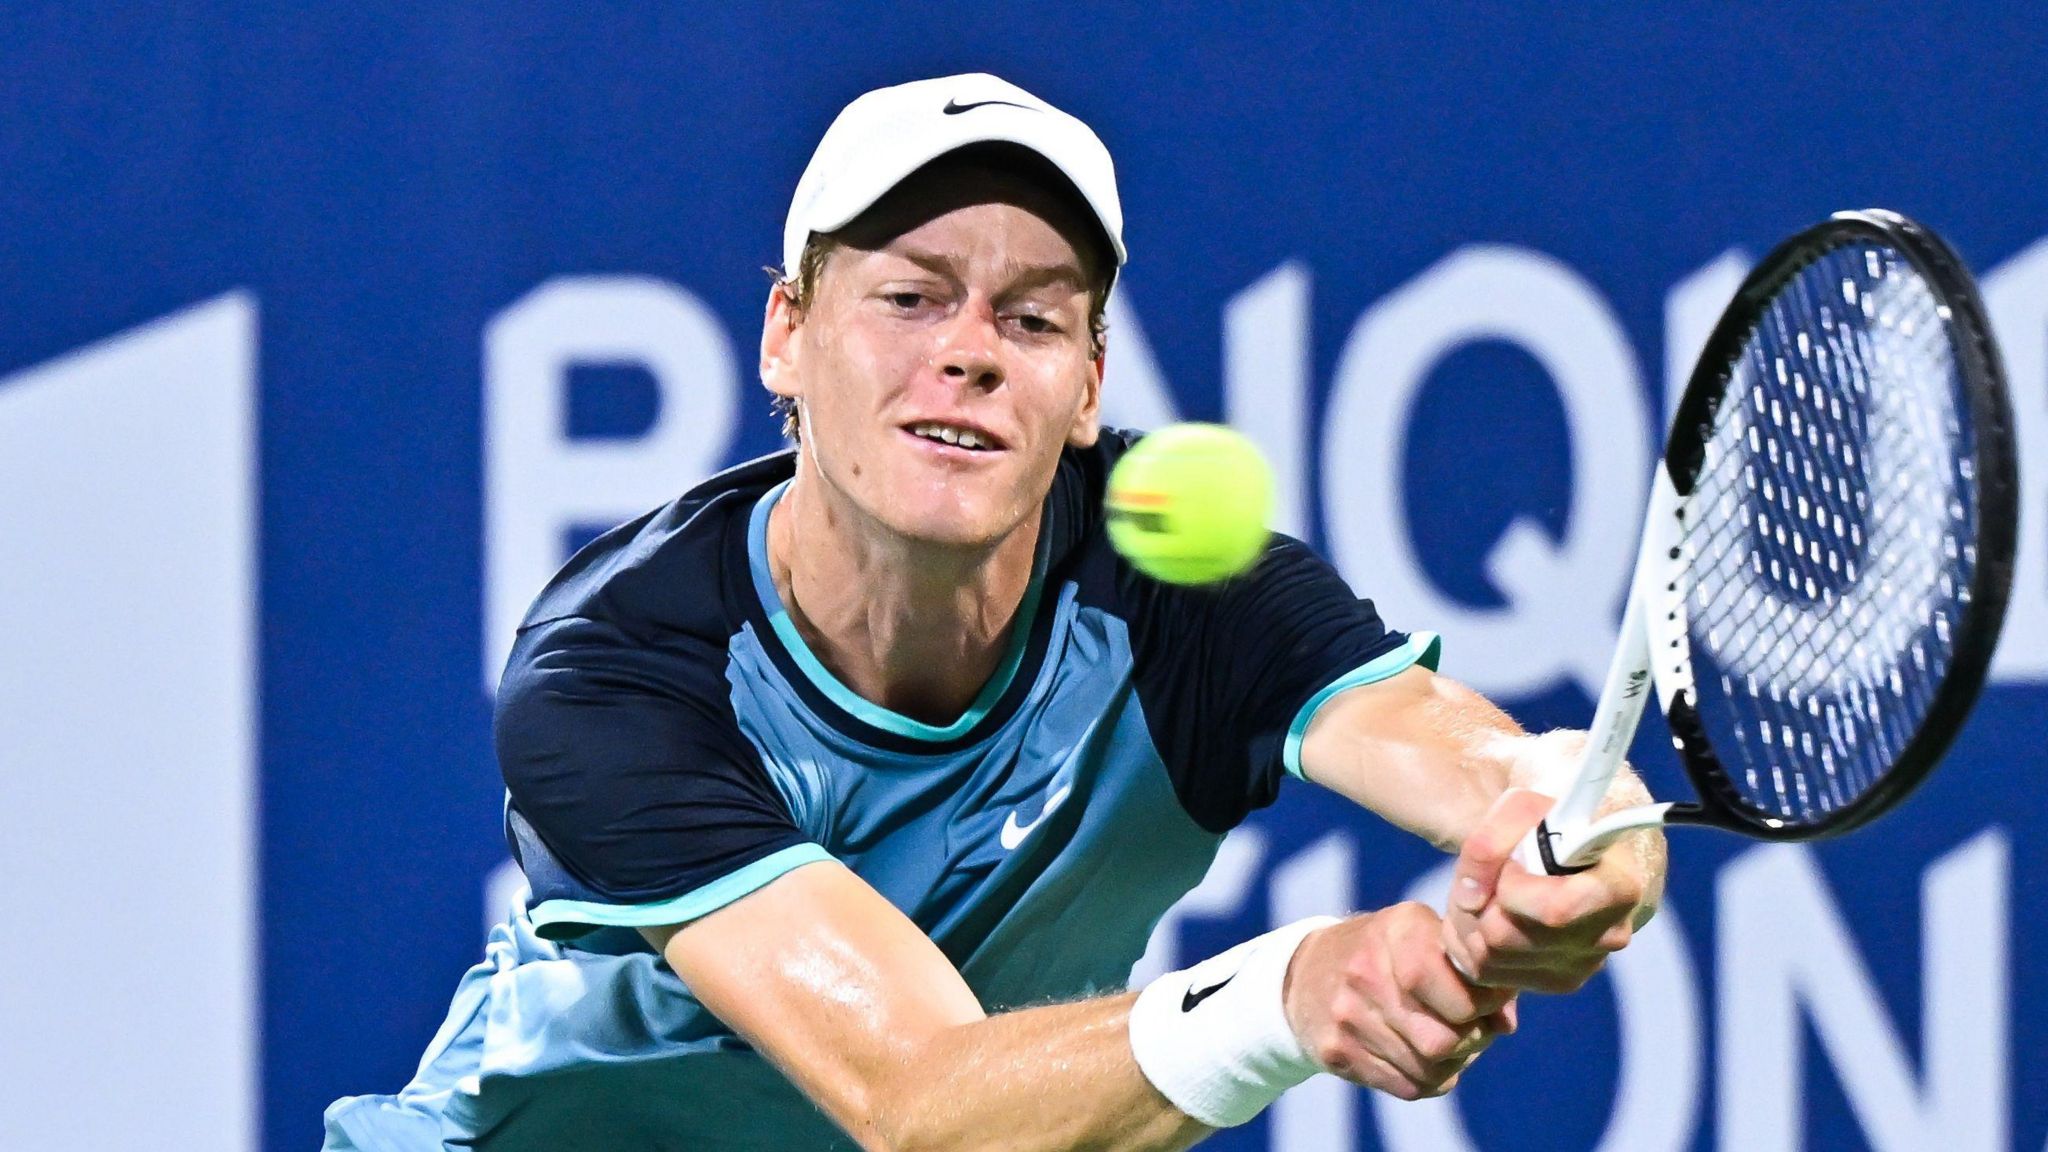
x: 1188, y: 504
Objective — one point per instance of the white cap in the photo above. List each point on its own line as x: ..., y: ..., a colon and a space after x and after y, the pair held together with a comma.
x: 887, y: 134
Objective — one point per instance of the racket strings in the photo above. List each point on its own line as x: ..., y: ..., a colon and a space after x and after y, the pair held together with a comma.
x: 1792, y: 788
x: 1825, y: 539
x: 1798, y: 659
x: 1894, y: 433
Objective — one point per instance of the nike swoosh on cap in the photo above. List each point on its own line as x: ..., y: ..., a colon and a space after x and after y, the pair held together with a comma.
x: 955, y: 107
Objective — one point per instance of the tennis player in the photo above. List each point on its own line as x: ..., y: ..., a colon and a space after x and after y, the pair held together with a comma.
x: 849, y: 785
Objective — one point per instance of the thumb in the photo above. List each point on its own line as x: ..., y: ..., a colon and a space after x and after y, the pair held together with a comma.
x: 1489, y: 847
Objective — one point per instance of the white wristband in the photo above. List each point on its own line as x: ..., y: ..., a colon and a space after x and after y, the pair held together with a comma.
x: 1214, y: 1038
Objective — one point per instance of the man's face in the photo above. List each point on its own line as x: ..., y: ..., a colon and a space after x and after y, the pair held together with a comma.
x: 945, y: 359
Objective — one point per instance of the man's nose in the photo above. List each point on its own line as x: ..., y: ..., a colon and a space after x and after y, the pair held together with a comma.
x: 967, y: 350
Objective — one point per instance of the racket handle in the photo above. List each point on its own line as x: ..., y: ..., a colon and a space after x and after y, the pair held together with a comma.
x: 1563, y: 842
x: 1538, y: 852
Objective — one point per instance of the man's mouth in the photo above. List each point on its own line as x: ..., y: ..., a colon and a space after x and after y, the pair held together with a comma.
x: 954, y: 435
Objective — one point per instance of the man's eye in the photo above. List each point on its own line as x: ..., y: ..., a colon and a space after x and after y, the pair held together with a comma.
x: 906, y: 300
x: 1036, y: 325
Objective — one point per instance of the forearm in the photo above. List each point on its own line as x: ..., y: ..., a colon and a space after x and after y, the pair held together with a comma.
x: 1059, y: 1076
x: 1424, y: 751
x: 869, y: 1019
x: 1431, y: 755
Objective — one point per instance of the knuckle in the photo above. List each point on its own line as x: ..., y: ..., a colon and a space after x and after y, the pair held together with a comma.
x: 1350, y: 1014
x: 1482, y: 942
x: 1344, y: 1005
x: 1368, y: 981
x: 1499, y: 939
x: 1356, y: 974
x: 1556, y: 915
x: 1402, y: 1088
x: 1438, y: 1048
x: 1408, y: 918
x: 1485, y: 843
x: 1407, y: 965
x: 1493, y: 933
x: 1433, y: 1039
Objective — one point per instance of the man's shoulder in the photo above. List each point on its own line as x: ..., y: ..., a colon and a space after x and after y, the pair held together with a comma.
x: 1074, y: 506
x: 676, y: 568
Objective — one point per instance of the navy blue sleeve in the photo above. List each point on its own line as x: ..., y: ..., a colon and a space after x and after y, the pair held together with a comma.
x: 634, y: 799
x: 1226, y: 673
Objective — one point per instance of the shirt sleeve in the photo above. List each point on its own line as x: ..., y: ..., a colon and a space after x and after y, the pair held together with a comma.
x: 1231, y: 675
x: 633, y: 798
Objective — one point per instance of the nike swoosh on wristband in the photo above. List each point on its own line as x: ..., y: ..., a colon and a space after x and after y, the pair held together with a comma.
x: 1013, y: 833
x: 954, y: 107
x: 1190, y: 998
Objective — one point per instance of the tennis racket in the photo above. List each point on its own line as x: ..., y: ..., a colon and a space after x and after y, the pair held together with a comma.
x: 1827, y: 553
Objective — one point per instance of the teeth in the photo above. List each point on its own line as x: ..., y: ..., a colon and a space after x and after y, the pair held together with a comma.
x: 960, y: 437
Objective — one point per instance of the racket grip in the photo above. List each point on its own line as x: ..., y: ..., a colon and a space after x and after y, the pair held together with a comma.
x: 1538, y: 852
x: 1565, y: 841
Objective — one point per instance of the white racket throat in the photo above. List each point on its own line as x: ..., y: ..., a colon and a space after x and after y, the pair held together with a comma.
x: 1652, y: 651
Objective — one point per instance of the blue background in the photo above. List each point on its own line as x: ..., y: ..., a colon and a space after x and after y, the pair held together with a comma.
x: 386, y: 177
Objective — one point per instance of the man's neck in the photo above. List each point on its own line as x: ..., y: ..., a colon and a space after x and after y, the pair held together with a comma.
x: 914, y: 627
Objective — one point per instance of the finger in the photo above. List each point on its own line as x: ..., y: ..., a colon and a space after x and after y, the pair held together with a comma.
x: 1444, y: 1054
x: 1368, y: 1070
x: 1480, y: 947
x: 1449, y: 993
x: 1458, y: 952
x: 1506, y: 958
x: 1487, y: 850
x: 1504, y: 1020
x: 1481, y: 958
x: 1556, y: 974
x: 1440, y: 1047
x: 1444, y: 1088
x: 1576, y: 907
x: 1379, y: 1036
x: 1499, y: 955
x: 1616, y: 938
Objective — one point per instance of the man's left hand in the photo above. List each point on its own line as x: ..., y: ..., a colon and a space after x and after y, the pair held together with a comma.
x: 1509, y: 928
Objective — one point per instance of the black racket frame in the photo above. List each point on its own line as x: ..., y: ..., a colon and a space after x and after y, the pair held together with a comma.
x: 1720, y: 803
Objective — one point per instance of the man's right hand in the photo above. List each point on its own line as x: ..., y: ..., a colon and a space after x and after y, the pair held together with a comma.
x: 1375, y: 1001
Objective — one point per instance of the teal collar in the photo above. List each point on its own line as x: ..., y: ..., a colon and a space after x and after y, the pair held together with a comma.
x: 855, y: 705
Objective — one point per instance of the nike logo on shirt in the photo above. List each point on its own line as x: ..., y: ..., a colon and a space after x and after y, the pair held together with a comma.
x: 1013, y: 833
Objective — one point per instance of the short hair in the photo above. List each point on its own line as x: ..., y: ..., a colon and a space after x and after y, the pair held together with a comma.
x: 800, y: 284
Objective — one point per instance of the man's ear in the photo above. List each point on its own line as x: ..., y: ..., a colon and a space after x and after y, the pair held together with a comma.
x: 779, y: 343
x: 1088, y: 420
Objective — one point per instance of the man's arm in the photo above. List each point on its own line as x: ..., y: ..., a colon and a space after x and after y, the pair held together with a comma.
x: 1438, y: 759
x: 864, y: 1014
